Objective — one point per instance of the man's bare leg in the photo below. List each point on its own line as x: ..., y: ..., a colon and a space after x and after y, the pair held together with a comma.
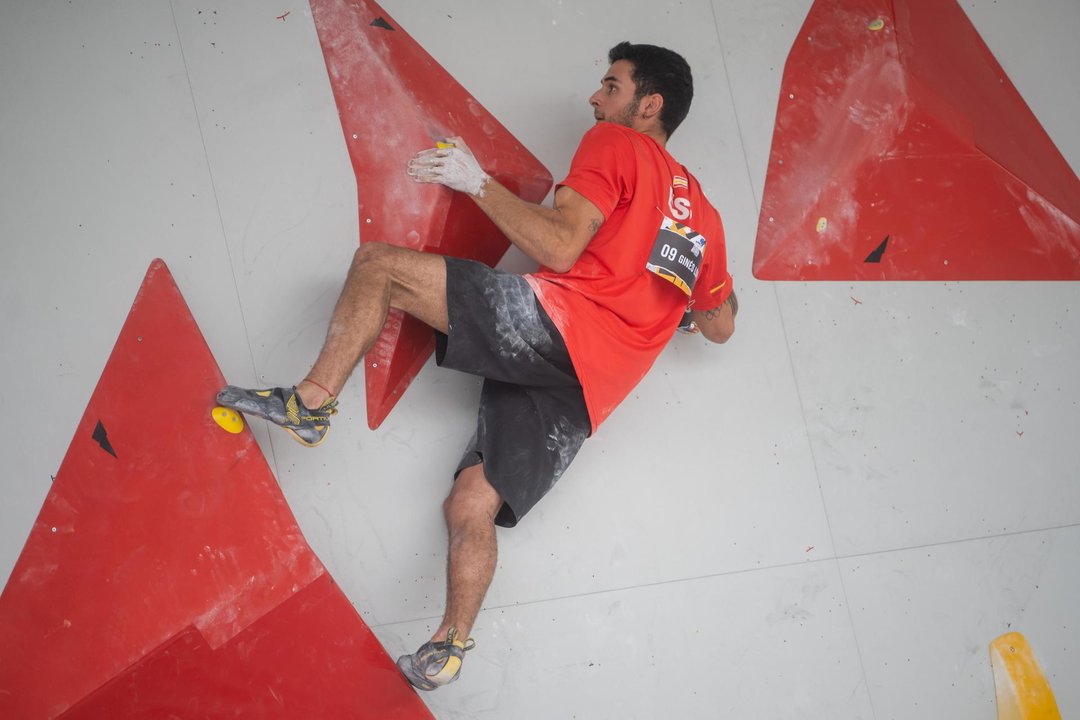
x: 470, y: 519
x: 381, y: 277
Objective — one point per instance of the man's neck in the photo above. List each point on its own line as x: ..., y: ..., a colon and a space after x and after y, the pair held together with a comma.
x: 659, y: 137
x: 653, y: 130
x: 656, y: 134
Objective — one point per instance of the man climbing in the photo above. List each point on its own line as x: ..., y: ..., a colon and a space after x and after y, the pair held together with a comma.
x: 629, y: 251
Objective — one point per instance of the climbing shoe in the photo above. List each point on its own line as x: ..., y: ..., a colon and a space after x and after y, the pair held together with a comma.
x: 282, y: 406
x: 436, y: 663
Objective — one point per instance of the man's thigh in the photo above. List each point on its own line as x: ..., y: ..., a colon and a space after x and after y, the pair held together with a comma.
x: 498, y: 330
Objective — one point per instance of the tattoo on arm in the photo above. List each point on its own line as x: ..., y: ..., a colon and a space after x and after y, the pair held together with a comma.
x: 594, y: 226
x: 732, y: 301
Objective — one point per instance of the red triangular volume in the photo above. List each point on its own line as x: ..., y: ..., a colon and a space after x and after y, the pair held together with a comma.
x: 163, y: 529
x: 395, y: 100
x: 896, y: 122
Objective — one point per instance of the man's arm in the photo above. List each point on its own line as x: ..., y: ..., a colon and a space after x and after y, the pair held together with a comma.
x: 718, y: 324
x: 554, y: 237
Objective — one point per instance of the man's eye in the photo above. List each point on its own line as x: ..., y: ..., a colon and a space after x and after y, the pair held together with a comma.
x: 611, y: 89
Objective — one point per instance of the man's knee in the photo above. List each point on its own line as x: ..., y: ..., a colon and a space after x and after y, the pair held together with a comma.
x: 471, y: 498
x: 399, y: 264
x: 372, y: 255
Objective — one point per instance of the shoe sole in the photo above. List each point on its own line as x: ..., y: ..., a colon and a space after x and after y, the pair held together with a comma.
x: 301, y: 440
x: 430, y: 682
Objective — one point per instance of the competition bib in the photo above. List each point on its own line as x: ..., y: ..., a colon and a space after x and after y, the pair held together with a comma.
x: 676, y: 255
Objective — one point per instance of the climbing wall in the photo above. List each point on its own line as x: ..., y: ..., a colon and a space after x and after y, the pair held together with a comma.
x: 829, y: 517
x: 395, y: 100
x: 165, y: 575
x: 902, y: 151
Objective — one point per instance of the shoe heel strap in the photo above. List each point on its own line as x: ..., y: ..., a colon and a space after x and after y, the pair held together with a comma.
x: 465, y: 645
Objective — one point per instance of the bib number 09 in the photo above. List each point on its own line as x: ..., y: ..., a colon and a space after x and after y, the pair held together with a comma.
x: 677, y: 255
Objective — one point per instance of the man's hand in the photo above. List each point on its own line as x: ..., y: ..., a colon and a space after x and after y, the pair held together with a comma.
x: 455, y: 167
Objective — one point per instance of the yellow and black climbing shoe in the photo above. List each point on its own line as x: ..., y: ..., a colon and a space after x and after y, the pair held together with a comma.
x: 282, y: 406
x: 436, y: 663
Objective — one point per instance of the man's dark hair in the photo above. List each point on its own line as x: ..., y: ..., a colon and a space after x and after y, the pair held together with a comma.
x: 662, y: 71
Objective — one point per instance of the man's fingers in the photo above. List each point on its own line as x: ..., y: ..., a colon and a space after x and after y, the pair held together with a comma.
x: 425, y: 169
x: 433, y: 153
x: 428, y: 175
x: 454, y: 167
x: 417, y: 165
x: 425, y: 158
x: 432, y: 158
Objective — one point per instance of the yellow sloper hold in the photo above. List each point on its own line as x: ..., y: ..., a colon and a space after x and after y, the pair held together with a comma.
x: 228, y: 419
x: 1023, y: 692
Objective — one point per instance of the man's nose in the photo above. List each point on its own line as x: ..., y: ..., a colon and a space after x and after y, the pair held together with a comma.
x: 593, y: 102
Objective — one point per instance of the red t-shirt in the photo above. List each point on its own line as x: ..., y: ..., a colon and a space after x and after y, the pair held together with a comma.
x: 614, y: 314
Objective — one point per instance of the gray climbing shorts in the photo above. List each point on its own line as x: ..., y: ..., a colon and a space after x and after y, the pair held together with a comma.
x: 532, y: 419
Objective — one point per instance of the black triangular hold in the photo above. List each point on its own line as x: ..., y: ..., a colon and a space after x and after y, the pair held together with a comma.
x: 380, y: 23
x: 875, y: 257
x: 102, y: 439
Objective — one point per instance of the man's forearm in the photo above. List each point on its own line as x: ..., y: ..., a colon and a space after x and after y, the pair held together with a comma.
x: 718, y: 324
x: 544, y: 234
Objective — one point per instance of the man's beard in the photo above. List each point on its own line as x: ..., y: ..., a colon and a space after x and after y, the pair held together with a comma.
x: 627, y: 115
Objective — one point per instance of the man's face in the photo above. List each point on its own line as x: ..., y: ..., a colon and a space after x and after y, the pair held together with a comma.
x: 614, y: 101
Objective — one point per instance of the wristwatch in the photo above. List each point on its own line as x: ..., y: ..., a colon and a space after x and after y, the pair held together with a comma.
x: 687, y: 324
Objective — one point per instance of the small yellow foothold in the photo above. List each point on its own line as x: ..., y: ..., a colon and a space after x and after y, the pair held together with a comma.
x: 822, y: 224
x: 228, y: 419
x: 876, y: 24
x: 444, y: 145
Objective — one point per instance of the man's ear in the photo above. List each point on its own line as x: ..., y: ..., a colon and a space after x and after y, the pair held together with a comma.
x: 651, y: 106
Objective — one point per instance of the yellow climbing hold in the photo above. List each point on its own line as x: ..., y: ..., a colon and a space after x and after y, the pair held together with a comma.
x: 1023, y: 692
x: 444, y: 145
x: 228, y: 419
x: 822, y: 224
x: 876, y: 24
